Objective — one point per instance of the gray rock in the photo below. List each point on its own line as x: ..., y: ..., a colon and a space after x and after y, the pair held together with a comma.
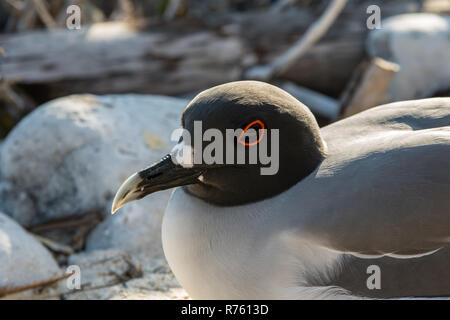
x: 15, y: 202
x: 136, y: 227
x: 70, y: 155
x: 104, y: 268
x: 113, y: 274
x: 420, y: 44
x: 23, y: 260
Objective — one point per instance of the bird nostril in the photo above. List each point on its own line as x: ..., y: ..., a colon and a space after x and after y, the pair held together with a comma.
x: 150, y: 177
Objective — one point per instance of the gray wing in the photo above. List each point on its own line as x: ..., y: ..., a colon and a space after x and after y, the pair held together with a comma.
x: 385, y: 186
x: 427, y: 276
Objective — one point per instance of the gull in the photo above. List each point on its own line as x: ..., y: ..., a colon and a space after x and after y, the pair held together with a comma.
x: 357, y: 209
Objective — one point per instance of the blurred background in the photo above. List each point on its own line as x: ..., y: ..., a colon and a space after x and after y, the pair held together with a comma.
x: 121, y: 81
x: 180, y: 47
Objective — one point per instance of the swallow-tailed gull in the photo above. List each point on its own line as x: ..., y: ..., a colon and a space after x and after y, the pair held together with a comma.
x: 359, y: 208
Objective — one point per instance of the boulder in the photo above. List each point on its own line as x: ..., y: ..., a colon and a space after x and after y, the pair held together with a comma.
x: 136, y: 227
x: 24, y: 261
x: 114, y: 274
x: 70, y: 155
x: 420, y: 44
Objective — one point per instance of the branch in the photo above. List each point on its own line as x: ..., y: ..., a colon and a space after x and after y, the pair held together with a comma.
x: 87, y: 219
x: 44, y: 15
x: 172, y: 9
x: 26, y: 17
x: 54, y: 246
x: 312, y: 35
x: 6, y: 291
x: 16, y: 5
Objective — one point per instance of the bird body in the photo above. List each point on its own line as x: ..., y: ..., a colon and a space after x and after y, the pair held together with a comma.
x: 380, y: 195
x: 231, y: 252
x: 235, y: 253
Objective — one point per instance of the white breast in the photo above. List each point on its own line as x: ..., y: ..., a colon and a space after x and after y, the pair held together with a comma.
x: 231, y: 253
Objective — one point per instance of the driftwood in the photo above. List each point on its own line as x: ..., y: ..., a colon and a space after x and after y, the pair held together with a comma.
x: 293, y: 54
x: 45, y: 16
x: 114, y: 58
x: 368, y: 88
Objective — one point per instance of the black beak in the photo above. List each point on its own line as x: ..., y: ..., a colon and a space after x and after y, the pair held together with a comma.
x: 163, y: 175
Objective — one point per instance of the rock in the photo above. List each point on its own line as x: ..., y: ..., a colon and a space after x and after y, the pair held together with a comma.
x: 420, y: 44
x: 70, y: 155
x: 24, y: 261
x: 136, y: 227
x: 104, y: 268
x: 113, y: 274
x: 15, y: 202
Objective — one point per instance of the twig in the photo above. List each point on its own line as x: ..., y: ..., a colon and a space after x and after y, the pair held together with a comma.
x: 44, y: 15
x: 127, y: 9
x: 27, y: 16
x: 63, y: 225
x: 281, y: 4
x: 53, y: 245
x: 6, y: 291
x: 16, y: 5
x: 312, y: 35
x: 172, y: 9
x: 20, y: 103
x: 88, y: 219
x: 132, y: 272
x: 84, y: 288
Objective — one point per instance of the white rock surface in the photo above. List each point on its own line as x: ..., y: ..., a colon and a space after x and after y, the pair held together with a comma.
x: 113, y: 274
x: 420, y: 44
x: 135, y: 227
x: 71, y: 154
x: 23, y: 260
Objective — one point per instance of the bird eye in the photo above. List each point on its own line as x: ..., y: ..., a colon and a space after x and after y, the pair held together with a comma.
x: 259, y: 128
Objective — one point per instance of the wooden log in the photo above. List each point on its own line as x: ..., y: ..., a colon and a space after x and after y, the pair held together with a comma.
x: 115, y: 58
x: 369, y: 86
x: 293, y: 54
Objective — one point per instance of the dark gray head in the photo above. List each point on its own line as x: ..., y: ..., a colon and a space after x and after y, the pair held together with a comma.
x: 238, y: 105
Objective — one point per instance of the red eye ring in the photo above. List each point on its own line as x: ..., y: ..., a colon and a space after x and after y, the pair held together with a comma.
x: 261, y: 124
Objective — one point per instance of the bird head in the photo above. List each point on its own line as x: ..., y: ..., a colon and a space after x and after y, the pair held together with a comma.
x: 240, y: 142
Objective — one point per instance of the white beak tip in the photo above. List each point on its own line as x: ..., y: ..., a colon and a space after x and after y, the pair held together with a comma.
x: 125, y: 193
x: 116, y: 205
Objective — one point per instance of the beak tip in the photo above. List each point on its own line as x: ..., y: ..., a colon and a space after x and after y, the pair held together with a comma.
x: 116, y: 206
x: 125, y: 193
